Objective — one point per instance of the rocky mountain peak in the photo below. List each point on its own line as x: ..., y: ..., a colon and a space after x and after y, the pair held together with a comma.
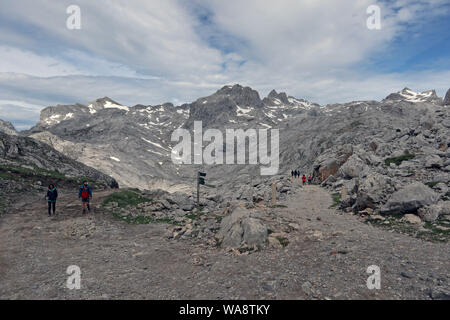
x: 7, y: 127
x: 242, y: 96
x: 411, y: 96
x: 447, y: 98
x: 282, y: 97
x: 105, y: 103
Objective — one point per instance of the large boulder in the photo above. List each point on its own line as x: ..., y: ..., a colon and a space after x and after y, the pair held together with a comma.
x: 255, y: 232
x: 433, y: 212
x: 410, y: 199
x: 433, y: 161
x: 374, y: 189
x: 354, y: 167
x: 239, y: 229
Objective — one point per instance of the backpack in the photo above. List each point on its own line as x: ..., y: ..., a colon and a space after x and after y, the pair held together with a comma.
x: 84, y: 194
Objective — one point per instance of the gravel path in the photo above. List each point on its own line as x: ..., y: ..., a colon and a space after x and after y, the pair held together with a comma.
x: 327, y: 258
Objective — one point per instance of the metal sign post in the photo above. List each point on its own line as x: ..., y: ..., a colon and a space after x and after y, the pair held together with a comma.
x: 200, y: 180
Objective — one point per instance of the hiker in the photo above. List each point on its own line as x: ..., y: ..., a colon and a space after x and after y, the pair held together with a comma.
x: 52, y: 195
x: 304, y: 179
x: 85, y: 193
x: 295, y: 173
x: 309, y: 179
x: 292, y: 173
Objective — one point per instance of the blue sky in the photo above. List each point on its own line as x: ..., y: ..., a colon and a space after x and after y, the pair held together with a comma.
x: 150, y: 51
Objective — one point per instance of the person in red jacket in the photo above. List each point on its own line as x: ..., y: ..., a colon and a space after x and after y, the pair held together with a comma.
x: 304, y: 179
x: 85, y: 194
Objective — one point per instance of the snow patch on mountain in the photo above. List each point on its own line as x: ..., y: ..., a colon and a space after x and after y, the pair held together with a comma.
x: 110, y: 105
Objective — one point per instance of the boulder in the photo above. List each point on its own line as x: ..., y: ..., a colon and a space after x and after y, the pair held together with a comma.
x: 441, y: 188
x: 433, y: 161
x: 410, y: 199
x: 239, y: 229
x: 255, y: 232
x: 433, y: 212
x: 328, y: 181
x: 411, y: 218
x: 354, y: 167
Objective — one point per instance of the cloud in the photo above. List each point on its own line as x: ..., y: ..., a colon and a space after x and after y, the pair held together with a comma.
x: 155, y: 51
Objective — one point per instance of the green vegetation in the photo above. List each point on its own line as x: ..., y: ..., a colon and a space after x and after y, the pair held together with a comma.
x: 437, y: 231
x: 336, y: 200
x: 399, y: 160
x: 196, y: 214
x: 432, y: 184
x: 30, y: 172
x: 126, y: 198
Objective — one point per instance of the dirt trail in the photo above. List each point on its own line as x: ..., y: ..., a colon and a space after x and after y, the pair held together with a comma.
x: 326, y: 258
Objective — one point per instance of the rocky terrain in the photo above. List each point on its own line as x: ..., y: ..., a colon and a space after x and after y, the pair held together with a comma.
x: 380, y: 196
x: 363, y: 150
x: 313, y: 253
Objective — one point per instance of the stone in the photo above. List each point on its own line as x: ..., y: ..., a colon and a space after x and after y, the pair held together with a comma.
x: 239, y: 229
x: 354, y: 167
x: 412, y: 218
x: 409, y: 199
x: 433, y: 212
x: 433, y: 161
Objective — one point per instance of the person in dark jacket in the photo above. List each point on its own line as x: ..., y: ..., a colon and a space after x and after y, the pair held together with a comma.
x: 85, y: 194
x: 52, y: 195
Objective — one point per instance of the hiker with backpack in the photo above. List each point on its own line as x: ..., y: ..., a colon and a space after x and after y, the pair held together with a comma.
x: 85, y: 193
x: 304, y: 179
x: 52, y: 195
x: 309, y: 179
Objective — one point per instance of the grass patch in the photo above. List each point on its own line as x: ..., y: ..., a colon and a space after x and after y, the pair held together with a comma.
x: 435, y: 231
x: 432, y: 184
x: 131, y: 198
x: 10, y: 172
x: 336, y: 200
x: 126, y: 198
x: 399, y: 160
x: 195, y: 215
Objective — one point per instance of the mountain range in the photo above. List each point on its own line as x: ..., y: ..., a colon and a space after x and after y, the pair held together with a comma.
x: 349, y: 141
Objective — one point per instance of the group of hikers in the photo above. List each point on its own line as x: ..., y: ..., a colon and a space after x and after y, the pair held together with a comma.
x: 84, y: 193
x: 296, y: 174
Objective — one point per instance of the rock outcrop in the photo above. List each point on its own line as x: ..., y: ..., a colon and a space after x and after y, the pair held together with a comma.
x: 410, y: 199
x: 240, y: 229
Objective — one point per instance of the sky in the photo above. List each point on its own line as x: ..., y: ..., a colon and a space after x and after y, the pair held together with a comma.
x: 153, y: 51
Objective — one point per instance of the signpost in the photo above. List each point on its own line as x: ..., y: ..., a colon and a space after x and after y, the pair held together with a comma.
x: 274, y: 194
x: 200, y: 180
